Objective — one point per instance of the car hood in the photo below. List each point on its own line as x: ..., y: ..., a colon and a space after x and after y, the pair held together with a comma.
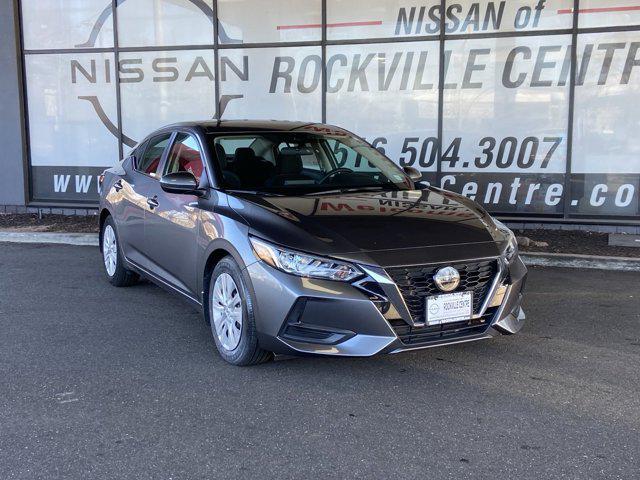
x: 384, y: 228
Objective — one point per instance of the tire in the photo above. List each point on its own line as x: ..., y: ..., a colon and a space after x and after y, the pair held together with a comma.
x: 230, y: 315
x: 114, y: 268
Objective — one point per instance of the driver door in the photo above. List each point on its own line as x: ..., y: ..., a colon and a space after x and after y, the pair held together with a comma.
x: 171, y: 226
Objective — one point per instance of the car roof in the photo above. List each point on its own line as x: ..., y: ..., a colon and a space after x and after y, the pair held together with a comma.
x: 215, y: 126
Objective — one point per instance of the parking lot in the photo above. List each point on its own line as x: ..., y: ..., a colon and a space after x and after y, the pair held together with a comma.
x: 99, y: 382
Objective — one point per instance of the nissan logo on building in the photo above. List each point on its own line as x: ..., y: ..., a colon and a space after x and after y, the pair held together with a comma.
x: 166, y: 66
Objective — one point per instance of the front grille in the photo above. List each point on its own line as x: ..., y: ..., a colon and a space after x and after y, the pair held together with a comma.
x: 416, y: 283
x: 416, y: 336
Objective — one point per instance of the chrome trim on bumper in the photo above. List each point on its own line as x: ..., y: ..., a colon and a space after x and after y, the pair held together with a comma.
x: 388, y: 342
x: 492, y: 291
x: 383, y: 278
x: 489, y: 334
x: 357, y: 346
x: 512, y: 323
x: 394, y: 296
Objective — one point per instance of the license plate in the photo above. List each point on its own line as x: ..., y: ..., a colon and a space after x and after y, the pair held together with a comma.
x: 449, y: 308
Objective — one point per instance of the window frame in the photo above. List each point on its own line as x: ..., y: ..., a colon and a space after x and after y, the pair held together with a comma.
x: 204, y: 176
x: 163, y: 157
x: 210, y: 177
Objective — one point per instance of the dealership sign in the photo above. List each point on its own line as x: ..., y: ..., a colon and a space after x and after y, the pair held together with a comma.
x: 505, y: 99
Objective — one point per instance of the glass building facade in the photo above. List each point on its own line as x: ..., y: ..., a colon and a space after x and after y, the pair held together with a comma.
x: 530, y: 107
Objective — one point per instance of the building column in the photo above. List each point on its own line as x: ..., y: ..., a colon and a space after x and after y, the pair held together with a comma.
x: 12, y: 135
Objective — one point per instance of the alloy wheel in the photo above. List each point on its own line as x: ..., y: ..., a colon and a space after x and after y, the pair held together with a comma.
x: 226, y: 309
x: 109, y: 250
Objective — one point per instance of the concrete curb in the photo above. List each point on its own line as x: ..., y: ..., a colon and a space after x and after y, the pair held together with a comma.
x: 90, y: 239
x: 530, y: 258
x: 596, y: 262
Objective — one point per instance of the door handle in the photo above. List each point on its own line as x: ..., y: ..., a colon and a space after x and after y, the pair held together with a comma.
x: 152, y: 202
x: 118, y: 186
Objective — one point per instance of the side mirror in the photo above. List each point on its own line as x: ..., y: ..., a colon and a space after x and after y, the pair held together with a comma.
x: 413, y: 173
x: 180, y: 182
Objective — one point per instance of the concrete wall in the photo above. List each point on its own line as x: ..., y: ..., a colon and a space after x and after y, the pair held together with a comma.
x: 12, y: 185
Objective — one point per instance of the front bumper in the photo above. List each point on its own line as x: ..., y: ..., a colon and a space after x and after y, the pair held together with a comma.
x: 307, y: 316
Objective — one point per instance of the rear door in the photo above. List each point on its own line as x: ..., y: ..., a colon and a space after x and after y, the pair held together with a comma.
x: 136, y: 189
x: 171, y: 227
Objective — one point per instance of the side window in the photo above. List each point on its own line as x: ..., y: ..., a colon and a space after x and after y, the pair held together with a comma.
x: 150, y: 160
x: 185, y: 156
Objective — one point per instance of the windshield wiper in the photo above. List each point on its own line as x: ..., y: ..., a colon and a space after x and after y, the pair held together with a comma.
x: 255, y: 192
x: 352, y: 190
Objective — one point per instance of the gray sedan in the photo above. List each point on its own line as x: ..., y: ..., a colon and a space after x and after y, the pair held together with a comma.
x: 299, y: 238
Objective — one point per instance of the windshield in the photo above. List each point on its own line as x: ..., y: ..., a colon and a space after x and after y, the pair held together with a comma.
x: 299, y: 163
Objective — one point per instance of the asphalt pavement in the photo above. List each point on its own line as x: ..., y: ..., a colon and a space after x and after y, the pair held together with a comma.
x: 104, y: 383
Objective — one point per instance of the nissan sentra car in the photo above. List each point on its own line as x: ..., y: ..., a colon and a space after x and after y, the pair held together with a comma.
x: 301, y: 238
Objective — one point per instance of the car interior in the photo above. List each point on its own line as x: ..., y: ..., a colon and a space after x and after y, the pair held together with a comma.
x: 278, y: 162
x: 185, y: 158
x: 150, y: 160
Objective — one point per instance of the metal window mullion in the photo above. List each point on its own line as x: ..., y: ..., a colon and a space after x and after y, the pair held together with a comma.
x: 27, y: 175
x: 572, y: 88
x: 355, y: 41
x: 324, y: 61
x: 441, y: 73
x: 116, y: 68
x: 216, y: 56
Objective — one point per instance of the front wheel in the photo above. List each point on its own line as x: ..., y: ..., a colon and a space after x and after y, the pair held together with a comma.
x: 231, y: 317
x: 117, y: 274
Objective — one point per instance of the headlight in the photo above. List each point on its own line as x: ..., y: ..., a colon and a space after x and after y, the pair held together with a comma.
x: 302, y: 264
x: 512, y: 242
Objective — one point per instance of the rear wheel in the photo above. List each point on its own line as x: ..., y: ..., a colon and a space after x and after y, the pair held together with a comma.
x: 231, y: 316
x: 117, y: 274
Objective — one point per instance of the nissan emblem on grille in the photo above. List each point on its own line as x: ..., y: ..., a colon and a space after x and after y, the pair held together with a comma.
x: 447, y: 279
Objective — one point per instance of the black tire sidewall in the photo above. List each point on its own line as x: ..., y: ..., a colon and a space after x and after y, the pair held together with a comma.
x: 246, y: 349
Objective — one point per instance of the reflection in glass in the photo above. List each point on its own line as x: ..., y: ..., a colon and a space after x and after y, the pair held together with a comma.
x: 388, y: 94
x: 607, y: 101
x: 52, y: 24
x: 506, y: 104
x: 72, y: 109
x: 605, y: 13
x: 259, y: 21
x: 158, y: 88
x: 165, y: 22
x: 272, y: 83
